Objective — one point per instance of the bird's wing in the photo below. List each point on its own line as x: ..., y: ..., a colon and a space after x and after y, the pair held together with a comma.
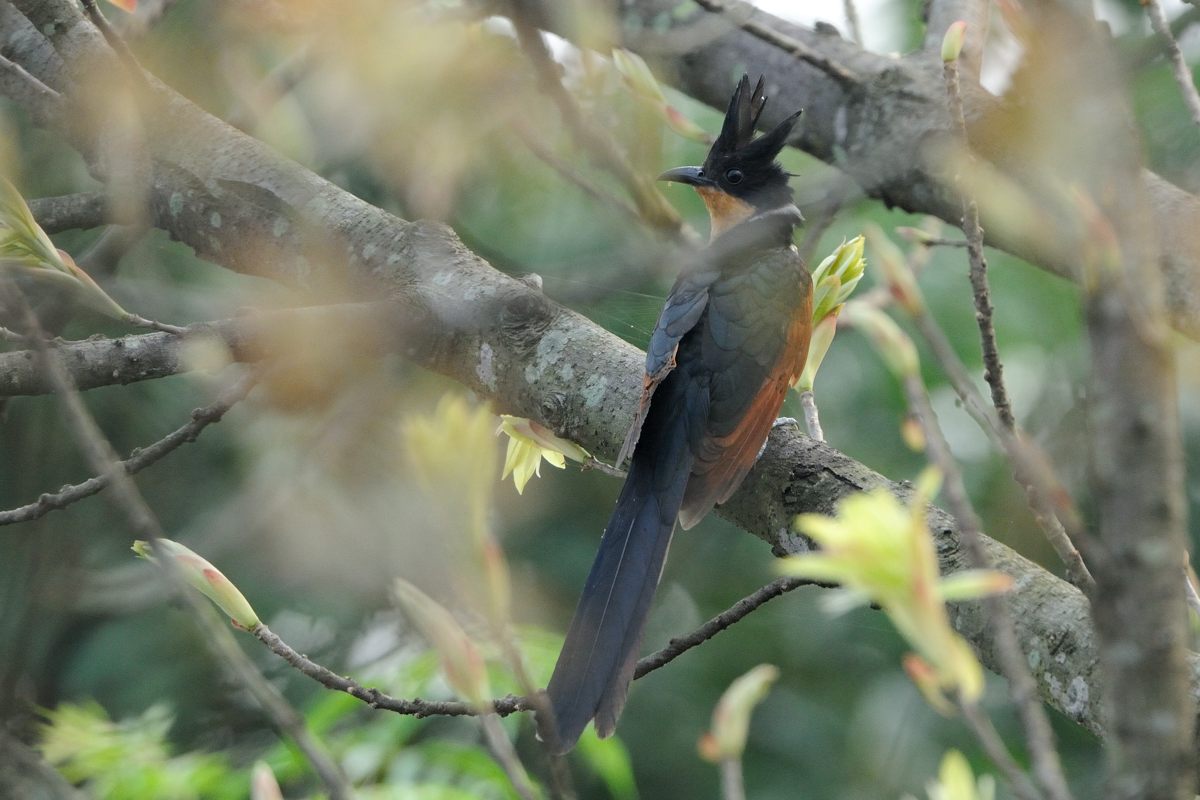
x: 753, y: 345
x: 683, y: 309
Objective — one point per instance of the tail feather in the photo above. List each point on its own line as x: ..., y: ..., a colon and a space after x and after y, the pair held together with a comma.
x: 592, y: 676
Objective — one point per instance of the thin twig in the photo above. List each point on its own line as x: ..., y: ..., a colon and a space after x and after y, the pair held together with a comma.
x: 649, y: 201
x: 993, y: 370
x: 841, y: 190
x: 1053, y: 525
x: 943, y: 242
x: 511, y: 704
x: 155, y: 325
x: 981, y: 725
x: 1039, y: 737
x: 249, y: 107
x: 1153, y: 45
x: 735, y: 613
x: 851, y: 12
x: 82, y: 210
x: 126, y: 56
x: 1049, y: 501
x: 143, y: 523
x: 506, y: 756
x: 9, y: 335
x: 1193, y: 597
x: 138, y: 460
x: 105, y: 254
x: 42, y: 102
x: 812, y: 417
x: 579, y: 180
x: 604, y: 468
x: 1183, y: 73
x: 560, y: 784
x: 733, y: 786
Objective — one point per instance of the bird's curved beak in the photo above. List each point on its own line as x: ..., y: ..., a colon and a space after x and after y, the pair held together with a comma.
x: 692, y: 176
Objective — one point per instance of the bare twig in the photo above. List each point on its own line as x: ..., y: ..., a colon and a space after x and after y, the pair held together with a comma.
x: 733, y: 785
x: 735, y: 613
x: 649, y: 201
x: 138, y: 460
x: 511, y: 704
x: 103, y: 256
x: 134, y: 69
x: 1039, y: 737
x: 993, y: 370
x: 1193, y: 597
x: 812, y: 417
x: 851, y: 11
x: 1051, y: 504
x: 1183, y: 73
x: 937, y: 242
x: 573, y: 176
x: 503, y: 706
x: 1153, y: 46
x: 506, y: 756
x: 841, y: 190
x: 83, y: 210
x: 250, y: 106
x: 153, y: 324
x: 604, y: 468
x: 42, y: 102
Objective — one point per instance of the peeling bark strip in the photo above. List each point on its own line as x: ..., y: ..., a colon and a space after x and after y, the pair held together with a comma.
x: 511, y: 344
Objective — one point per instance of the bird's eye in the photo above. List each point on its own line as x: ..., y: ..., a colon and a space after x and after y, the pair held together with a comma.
x: 734, y: 176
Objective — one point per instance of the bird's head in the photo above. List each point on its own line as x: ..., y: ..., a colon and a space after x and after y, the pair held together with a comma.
x: 740, y: 177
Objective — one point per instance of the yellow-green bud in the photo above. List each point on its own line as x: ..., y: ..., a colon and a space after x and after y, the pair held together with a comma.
x: 731, y: 717
x: 205, y: 578
x: 952, y: 42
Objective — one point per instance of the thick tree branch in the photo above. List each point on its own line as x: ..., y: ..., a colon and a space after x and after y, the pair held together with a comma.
x: 83, y: 210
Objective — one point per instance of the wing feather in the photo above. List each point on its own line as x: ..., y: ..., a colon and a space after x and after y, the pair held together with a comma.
x: 722, y: 459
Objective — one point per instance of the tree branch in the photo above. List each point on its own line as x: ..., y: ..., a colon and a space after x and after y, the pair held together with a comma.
x: 99, y: 362
x: 1183, y: 73
x: 511, y: 704
x: 84, y: 210
x: 138, y: 460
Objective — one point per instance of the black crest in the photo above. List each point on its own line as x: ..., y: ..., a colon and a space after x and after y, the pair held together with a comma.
x: 736, y: 149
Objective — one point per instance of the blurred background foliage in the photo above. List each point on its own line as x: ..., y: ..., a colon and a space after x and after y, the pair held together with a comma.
x: 304, y: 497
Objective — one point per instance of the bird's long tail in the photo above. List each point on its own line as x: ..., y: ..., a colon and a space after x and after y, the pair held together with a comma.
x: 595, y: 667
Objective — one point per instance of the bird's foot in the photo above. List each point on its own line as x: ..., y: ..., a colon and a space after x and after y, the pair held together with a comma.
x: 778, y: 423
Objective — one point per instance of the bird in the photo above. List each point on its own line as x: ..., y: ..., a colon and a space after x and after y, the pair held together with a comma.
x: 731, y: 338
